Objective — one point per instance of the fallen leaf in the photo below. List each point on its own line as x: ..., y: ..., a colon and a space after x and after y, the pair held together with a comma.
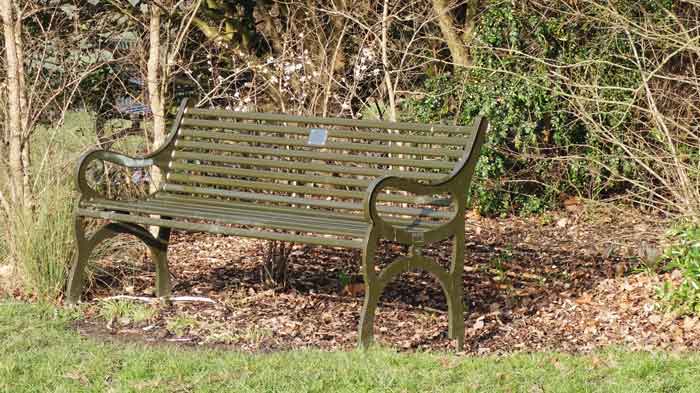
x: 689, y: 323
x: 562, y: 222
x: 572, y: 204
x: 354, y: 289
x: 479, y: 324
x: 586, y: 298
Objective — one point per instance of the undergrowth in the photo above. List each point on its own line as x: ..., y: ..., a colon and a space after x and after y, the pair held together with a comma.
x: 579, y: 104
x: 683, y: 256
x: 126, y: 311
x: 41, y: 242
x: 38, y: 241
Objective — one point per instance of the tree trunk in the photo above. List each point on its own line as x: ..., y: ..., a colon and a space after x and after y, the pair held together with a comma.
x: 14, y: 99
x: 23, y: 101
x: 24, y: 118
x: 391, y: 94
x: 458, y: 50
x: 337, y: 61
x: 276, y: 256
x: 473, y: 7
x: 155, y: 93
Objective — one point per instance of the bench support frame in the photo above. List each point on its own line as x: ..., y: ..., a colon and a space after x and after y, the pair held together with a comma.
x: 451, y: 279
x: 157, y: 246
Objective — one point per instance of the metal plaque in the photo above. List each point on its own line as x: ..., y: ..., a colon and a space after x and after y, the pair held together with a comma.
x: 317, y: 136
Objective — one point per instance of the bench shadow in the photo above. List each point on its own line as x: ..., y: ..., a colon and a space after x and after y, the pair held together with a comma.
x: 515, y: 268
x: 499, y: 277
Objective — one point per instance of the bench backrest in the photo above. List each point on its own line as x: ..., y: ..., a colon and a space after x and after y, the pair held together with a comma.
x: 311, y: 162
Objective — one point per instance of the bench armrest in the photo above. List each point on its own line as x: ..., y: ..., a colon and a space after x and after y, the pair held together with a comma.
x: 105, y: 156
x: 159, y: 157
x: 456, y: 184
x: 401, y: 183
x: 451, y: 185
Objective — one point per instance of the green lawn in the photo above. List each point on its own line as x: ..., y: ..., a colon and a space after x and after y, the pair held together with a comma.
x: 39, y: 353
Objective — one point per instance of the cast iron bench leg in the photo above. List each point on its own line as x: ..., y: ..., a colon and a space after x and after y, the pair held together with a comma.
x: 160, y: 258
x: 85, y: 245
x: 455, y: 299
x: 373, y: 289
x: 450, y: 281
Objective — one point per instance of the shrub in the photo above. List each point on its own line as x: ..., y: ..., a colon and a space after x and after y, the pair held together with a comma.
x: 566, y: 94
x: 684, y: 255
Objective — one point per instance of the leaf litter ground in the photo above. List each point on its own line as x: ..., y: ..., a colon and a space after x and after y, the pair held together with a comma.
x: 570, y: 281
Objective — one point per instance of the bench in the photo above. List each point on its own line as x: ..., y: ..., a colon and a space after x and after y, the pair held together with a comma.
x: 320, y: 181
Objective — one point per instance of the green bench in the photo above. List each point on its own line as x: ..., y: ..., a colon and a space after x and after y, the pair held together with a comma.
x: 321, y: 181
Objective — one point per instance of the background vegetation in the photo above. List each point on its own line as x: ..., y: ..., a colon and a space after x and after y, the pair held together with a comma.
x: 586, y: 98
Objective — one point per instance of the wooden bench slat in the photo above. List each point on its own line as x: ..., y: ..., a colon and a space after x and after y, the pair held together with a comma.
x: 306, y: 166
x: 308, y: 221
x: 330, y: 204
x: 255, y: 208
x: 245, y: 209
x: 312, y: 154
x: 241, y: 217
x: 269, y: 174
x: 219, y: 229
x: 327, y: 121
x: 332, y: 132
x: 279, y: 187
x: 226, y: 205
x: 298, y: 142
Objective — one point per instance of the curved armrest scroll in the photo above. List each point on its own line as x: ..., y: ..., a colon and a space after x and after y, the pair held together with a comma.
x: 158, y: 157
x: 404, y: 184
x: 108, y: 156
x: 456, y: 184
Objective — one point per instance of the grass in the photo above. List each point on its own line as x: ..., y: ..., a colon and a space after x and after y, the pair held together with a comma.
x: 39, y: 241
x: 128, y: 311
x: 181, y: 324
x: 41, y: 353
x: 42, y: 241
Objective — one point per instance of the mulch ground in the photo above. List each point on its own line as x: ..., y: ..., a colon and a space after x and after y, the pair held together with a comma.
x: 569, y: 281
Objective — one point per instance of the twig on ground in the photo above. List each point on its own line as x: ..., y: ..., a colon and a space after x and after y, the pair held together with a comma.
x: 172, y: 299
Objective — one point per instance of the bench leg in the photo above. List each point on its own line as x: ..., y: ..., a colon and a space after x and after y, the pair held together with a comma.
x: 85, y: 245
x: 77, y: 271
x: 159, y: 255
x: 372, y: 291
x: 450, y: 281
x: 455, y: 295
